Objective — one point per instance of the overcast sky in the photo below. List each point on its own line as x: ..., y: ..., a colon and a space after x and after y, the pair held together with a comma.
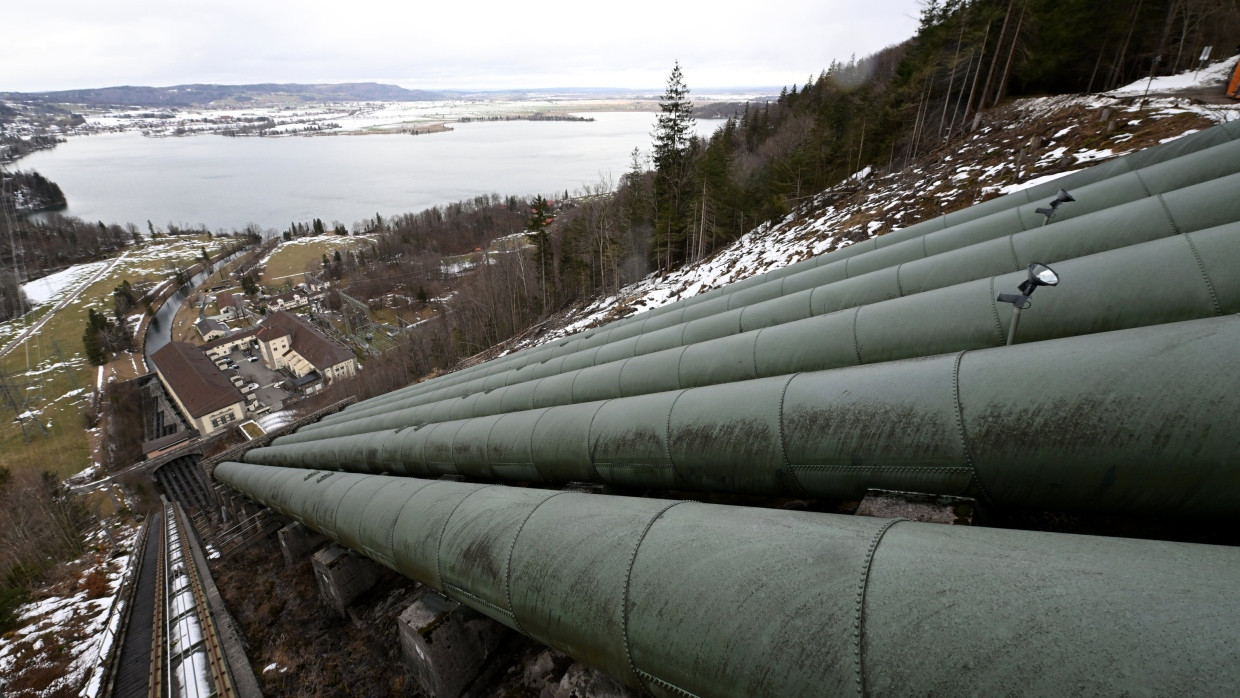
x: 68, y: 44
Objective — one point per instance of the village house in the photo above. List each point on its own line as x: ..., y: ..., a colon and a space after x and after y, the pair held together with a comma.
x: 210, y: 329
x: 290, y: 299
x: 231, y: 307
x: 219, y: 348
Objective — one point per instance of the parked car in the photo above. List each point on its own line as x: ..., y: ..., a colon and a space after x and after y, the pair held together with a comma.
x: 249, y: 388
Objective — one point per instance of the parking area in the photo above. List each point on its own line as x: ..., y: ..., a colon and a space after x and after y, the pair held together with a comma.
x: 270, y: 391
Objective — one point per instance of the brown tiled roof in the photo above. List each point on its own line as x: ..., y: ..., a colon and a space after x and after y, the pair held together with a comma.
x: 225, y: 298
x: 200, y: 386
x: 305, y: 339
x: 206, y: 325
x: 247, y: 332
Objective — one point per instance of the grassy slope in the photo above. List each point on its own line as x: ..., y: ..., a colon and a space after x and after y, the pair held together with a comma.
x: 66, y: 449
x: 290, y: 260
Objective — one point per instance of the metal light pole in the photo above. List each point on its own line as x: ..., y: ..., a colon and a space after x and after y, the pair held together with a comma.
x: 1039, y: 275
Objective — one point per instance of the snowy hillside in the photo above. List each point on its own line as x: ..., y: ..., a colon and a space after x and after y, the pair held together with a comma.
x: 1021, y: 144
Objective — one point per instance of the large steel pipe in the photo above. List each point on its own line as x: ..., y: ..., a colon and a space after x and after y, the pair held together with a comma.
x: 1139, y: 420
x: 1173, y: 279
x: 1194, y: 208
x: 1184, y: 277
x: 687, y: 599
x: 1162, y: 177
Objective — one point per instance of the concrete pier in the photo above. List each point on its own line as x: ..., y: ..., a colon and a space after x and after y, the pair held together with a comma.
x: 297, y: 541
x: 446, y: 645
x: 342, y: 575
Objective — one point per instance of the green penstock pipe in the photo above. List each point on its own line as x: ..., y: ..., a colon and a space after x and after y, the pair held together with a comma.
x: 1161, y: 173
x: 1139, y: 421
x: 1183, y: 277
x: 687, y: 599
x: 1211, y: 203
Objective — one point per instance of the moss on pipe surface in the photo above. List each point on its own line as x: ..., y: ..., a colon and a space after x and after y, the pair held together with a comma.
x: 1139, y: 421
x: 681, y: 598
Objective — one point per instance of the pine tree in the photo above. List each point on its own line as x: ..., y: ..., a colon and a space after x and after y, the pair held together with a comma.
x: 673, y: 145
x: 95, y: 323
x: 540, y: 216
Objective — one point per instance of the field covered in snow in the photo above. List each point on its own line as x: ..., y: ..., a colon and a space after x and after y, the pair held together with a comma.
x: 347, y: 118
x: 41, y: 354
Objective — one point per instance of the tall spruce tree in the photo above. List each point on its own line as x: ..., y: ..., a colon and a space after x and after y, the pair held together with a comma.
x: 536, y: 230
x: 673, y: 166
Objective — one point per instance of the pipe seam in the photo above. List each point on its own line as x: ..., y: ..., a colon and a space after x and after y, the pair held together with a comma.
x: 620, y: 375
x: 1020, y: 218
x: 856, y: 343
x: 1012, y: 248
x: 667, y: 686
x: 899, y: 285
x: 624, y: 601
x: 1141, y: 180
x: 1218, y: 308
x: 529, y: 450
x: 1162, y: 202
x: 845, y: 468
x: 859, y: 615
x: 391, y: 537
x: 589, y: 440
x: 964, y: 440
x: 680, y: 360
x: 442, y: 531
x: 753, y: 351
x: 508, y: 567
x: 486, y: 448
x: 783, y: 442
x: 994, y: 309
x: 667, y: 437
x: 455, y: 590
x: 336, y: 513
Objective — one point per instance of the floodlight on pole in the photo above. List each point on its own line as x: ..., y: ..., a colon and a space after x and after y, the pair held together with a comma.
x: 1039, y: 275
x: 1062, y: 197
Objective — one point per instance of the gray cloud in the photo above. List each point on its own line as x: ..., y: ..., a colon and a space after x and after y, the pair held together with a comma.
x: 64, y: 44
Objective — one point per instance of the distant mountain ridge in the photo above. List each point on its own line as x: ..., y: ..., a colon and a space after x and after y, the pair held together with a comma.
x: 201, y: 94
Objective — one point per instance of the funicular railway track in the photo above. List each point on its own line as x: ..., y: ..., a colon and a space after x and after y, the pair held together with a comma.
x: 172, y: 647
